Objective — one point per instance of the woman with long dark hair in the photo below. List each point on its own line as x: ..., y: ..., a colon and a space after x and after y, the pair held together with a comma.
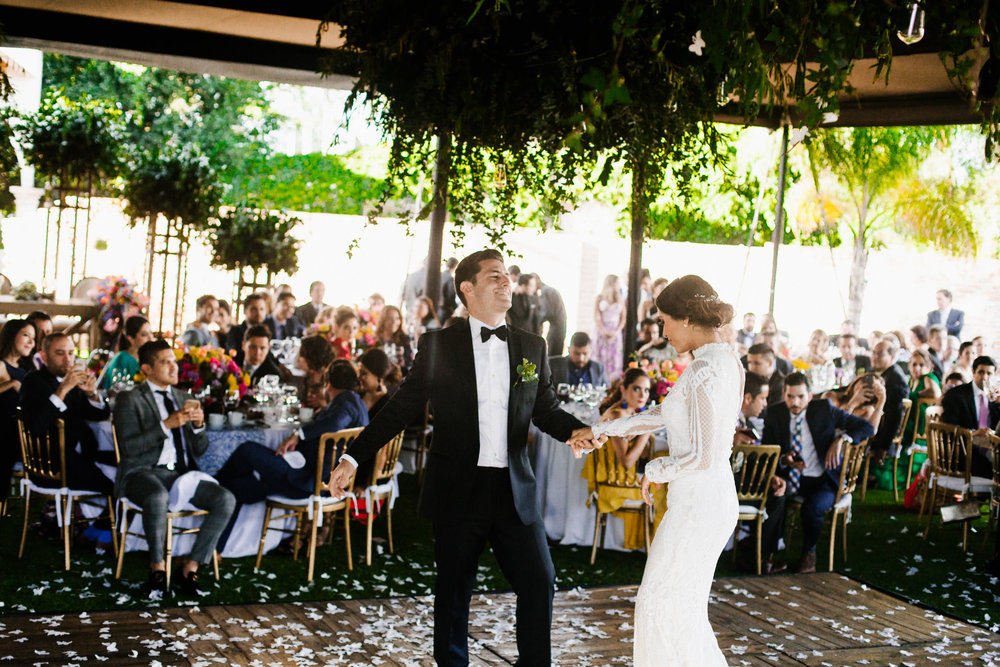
x: 389, y: 333
x: 17, y: 340
x: 629, y: 397
x: 671, y: 612
x: 125, y: 364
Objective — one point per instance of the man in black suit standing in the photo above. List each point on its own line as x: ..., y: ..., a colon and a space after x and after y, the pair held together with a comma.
x: 61, y: 390
x: 449, y: 298
x: 952, y: 319
x: 810, y: 433
x: 553, y: 312
x: 896, y: 389
x: 972, y: 406
x: 486, y: 383
x: 254, y: 312
x: 850, y: 362
x: 577, y: 367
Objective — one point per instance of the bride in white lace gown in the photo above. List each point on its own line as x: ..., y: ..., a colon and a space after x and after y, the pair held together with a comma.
x: 671, y: 612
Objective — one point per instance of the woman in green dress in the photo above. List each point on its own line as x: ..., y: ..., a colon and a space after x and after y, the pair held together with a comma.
x: 125, y: 364
x: 924, y: 384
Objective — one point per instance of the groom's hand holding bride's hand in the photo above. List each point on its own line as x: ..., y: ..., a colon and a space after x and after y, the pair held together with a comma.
x: 340, y: 479
x: 582, y: 441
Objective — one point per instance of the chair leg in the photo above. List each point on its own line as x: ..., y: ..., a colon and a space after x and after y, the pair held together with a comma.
x: 736, y: 540
x: 24, y: 528
x: 965, y: 535
x: 844, y: 536
x: 864, y: 476
x: 111, y: 516
x: 597, y: 528
x: 895, y: 480
x: 215, y: 563
x: 932, y: 496
x: 909, y: 469
x: 263, y: 535
x: 121, y: 543
x: 760, y: 556
x: 66, y: 527
x: 833, y: 540
x: 169, y: 550
x: 317, y: 517
x: 388, y: 520
x: 347, y: 537
x: 368, y: 543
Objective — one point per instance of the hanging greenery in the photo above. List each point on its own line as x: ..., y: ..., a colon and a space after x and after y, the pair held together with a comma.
x: 75, y: 143
x: 178, y: 184
x: 248, y: 237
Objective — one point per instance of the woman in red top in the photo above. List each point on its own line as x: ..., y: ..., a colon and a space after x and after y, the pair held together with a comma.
x: 345, y: 328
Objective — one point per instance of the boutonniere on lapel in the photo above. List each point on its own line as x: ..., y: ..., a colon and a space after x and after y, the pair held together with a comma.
x: 527, y: 372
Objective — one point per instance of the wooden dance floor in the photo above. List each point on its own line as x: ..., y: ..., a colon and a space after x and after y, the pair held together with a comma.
x: 818, y: 619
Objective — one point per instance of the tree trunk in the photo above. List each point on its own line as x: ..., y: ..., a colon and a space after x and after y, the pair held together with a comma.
x: 640, y: 213
x: 432, y: 281
x: 856, y: 289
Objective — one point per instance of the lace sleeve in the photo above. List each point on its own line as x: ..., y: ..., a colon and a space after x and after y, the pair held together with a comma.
x: 701, y: 427
x: 629, y: 427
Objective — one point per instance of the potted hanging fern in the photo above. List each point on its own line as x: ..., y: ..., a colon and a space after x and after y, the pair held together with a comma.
x: 247, y: 237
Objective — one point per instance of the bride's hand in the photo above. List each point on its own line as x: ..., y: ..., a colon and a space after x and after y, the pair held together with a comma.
x: 582, y: 441
x: 646, y: 491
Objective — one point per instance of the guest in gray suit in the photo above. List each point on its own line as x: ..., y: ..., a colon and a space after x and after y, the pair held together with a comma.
x: 160, y: 434
x: 577, y: 367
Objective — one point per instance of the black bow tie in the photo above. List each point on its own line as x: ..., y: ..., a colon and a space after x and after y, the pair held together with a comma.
x: 500, y: 332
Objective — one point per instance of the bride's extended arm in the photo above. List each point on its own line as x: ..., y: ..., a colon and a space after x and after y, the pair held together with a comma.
x: 629, y: 427
x: 701, y: 427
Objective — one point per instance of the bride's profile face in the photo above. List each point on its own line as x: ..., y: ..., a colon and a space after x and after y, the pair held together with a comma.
x: 674, y: 331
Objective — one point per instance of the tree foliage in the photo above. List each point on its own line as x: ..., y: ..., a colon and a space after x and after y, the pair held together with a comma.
x: 180, y: 185
x: 247, y: 236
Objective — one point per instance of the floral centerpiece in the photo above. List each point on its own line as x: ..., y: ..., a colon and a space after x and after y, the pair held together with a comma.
x: 366, y: 331
x: 97, y: 360
x: 119, y: 301
x: 210, y: 373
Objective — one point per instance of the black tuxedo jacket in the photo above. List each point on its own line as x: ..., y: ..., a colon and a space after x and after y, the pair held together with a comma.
x: 269, y: 366
x: 896, y: 389
x: 823, y: 420
x: 959, y: 408
x: 41, y: 414
x: 444, y: 372
x: 862, y: 363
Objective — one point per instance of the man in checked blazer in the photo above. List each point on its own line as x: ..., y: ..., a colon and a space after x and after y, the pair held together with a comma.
x: 161, y: 433
x: 479, y: 486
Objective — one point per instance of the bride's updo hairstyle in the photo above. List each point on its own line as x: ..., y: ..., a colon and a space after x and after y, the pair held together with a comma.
x: 693, y: 299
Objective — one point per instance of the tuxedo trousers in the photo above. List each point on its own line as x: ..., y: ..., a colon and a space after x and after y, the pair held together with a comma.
x: 523, y: 555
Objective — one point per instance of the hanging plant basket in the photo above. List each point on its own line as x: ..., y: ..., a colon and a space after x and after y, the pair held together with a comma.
x: 247, y: 237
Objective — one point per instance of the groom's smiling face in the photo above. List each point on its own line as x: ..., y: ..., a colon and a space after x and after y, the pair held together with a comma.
x: 491, y: 291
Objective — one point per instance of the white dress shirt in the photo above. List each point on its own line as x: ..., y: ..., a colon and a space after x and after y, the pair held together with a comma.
x: 493, y: 393
x: 168, y: 455
x: 976, y: 393
x: 814, y: 464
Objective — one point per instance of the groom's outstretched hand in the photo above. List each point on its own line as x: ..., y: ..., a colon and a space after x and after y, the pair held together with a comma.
x: 583, y: 441
x: 340, y: 479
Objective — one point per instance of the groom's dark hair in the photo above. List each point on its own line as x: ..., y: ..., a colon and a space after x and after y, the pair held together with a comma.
x: 468, y: 268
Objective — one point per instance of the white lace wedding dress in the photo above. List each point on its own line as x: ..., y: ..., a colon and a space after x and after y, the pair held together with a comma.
x: 671, y: 612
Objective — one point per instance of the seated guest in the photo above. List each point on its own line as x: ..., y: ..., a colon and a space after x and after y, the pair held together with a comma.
x: 658, y: 349
x: 161, y: 433
x: 345, y: 328
x: 307, y: 312
x: 629, y: 397
x: 848, y: 328
x: 953, y: 320
x: 255, y: 471
x: 850, y: 362
x: 17, y: 340
x: 811, y: 434
x: 781, y: 363
x: 953, y: 380
x: 43, y: 327
x: 936, y: 343
x: 577, y: 367
x: 649, y: 332
x: 316, y: 397
x: 257, y: 358
x: 978, y: 344
x: 816, y: 349
x: 376, y: 302
x: 315, y: 357
x: 255, y: 311
x: 378, y: 379
x: 973, y: 406
x: 282, y: 322
x: 224, y: 321
x: 424, y: 318
x: 125, y: 364
x: 389, y: 333
x: 325, y: 316
x: 199, y: 332
x: 923, y: 384
x: 884, y: 364
x: 963, y: 363
x: 745, y: 335
x: 62, y: 390
x: 760, y: 359
x: 917, y: 338
x: 748, y: 431
x: 864, y: 397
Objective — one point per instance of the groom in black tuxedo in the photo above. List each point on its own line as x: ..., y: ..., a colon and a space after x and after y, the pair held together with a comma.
x: 479, y: 487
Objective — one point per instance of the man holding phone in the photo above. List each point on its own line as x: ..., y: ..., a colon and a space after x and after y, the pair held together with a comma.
x: 811, y: 434
x: 61, y: 389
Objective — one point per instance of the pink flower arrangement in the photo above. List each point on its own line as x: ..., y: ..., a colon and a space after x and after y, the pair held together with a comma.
x: 119, y: 301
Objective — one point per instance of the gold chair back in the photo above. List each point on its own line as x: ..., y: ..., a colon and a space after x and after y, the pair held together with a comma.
x: 933, y: 413
x: 44, y: 456
x: 897, y: 438
x: 609, y: 472
x: 753, y: 468
x: 850, y: 468
x: 339, y: 441
x: 948, y: 450
x: 389, y: 455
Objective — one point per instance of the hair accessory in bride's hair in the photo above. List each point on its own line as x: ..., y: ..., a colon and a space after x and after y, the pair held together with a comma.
x: 707, y: 297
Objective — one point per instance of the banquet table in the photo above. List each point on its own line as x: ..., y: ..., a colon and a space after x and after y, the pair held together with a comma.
x: 562, y: 492
x: 245, y: 536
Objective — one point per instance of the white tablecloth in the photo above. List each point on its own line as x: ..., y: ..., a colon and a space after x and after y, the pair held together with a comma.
x: 245, y: 536
x: 562, y: 492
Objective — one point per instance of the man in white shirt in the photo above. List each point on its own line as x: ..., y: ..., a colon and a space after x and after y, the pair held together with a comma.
x: 161, y: 433
x: 973, y: 406
x: 486, y: 384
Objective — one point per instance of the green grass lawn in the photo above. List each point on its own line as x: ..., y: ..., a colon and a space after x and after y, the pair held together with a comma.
x: 887, y: 551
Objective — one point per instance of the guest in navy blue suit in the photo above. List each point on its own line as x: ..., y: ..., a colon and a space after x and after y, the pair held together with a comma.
x: 274, y: 474
x: 810, y: 433
x: 953, y: 319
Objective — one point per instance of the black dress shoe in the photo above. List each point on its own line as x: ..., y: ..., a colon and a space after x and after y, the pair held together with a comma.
x: 157, y: 582
x: 188, y: 584
x: 774, y: 567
